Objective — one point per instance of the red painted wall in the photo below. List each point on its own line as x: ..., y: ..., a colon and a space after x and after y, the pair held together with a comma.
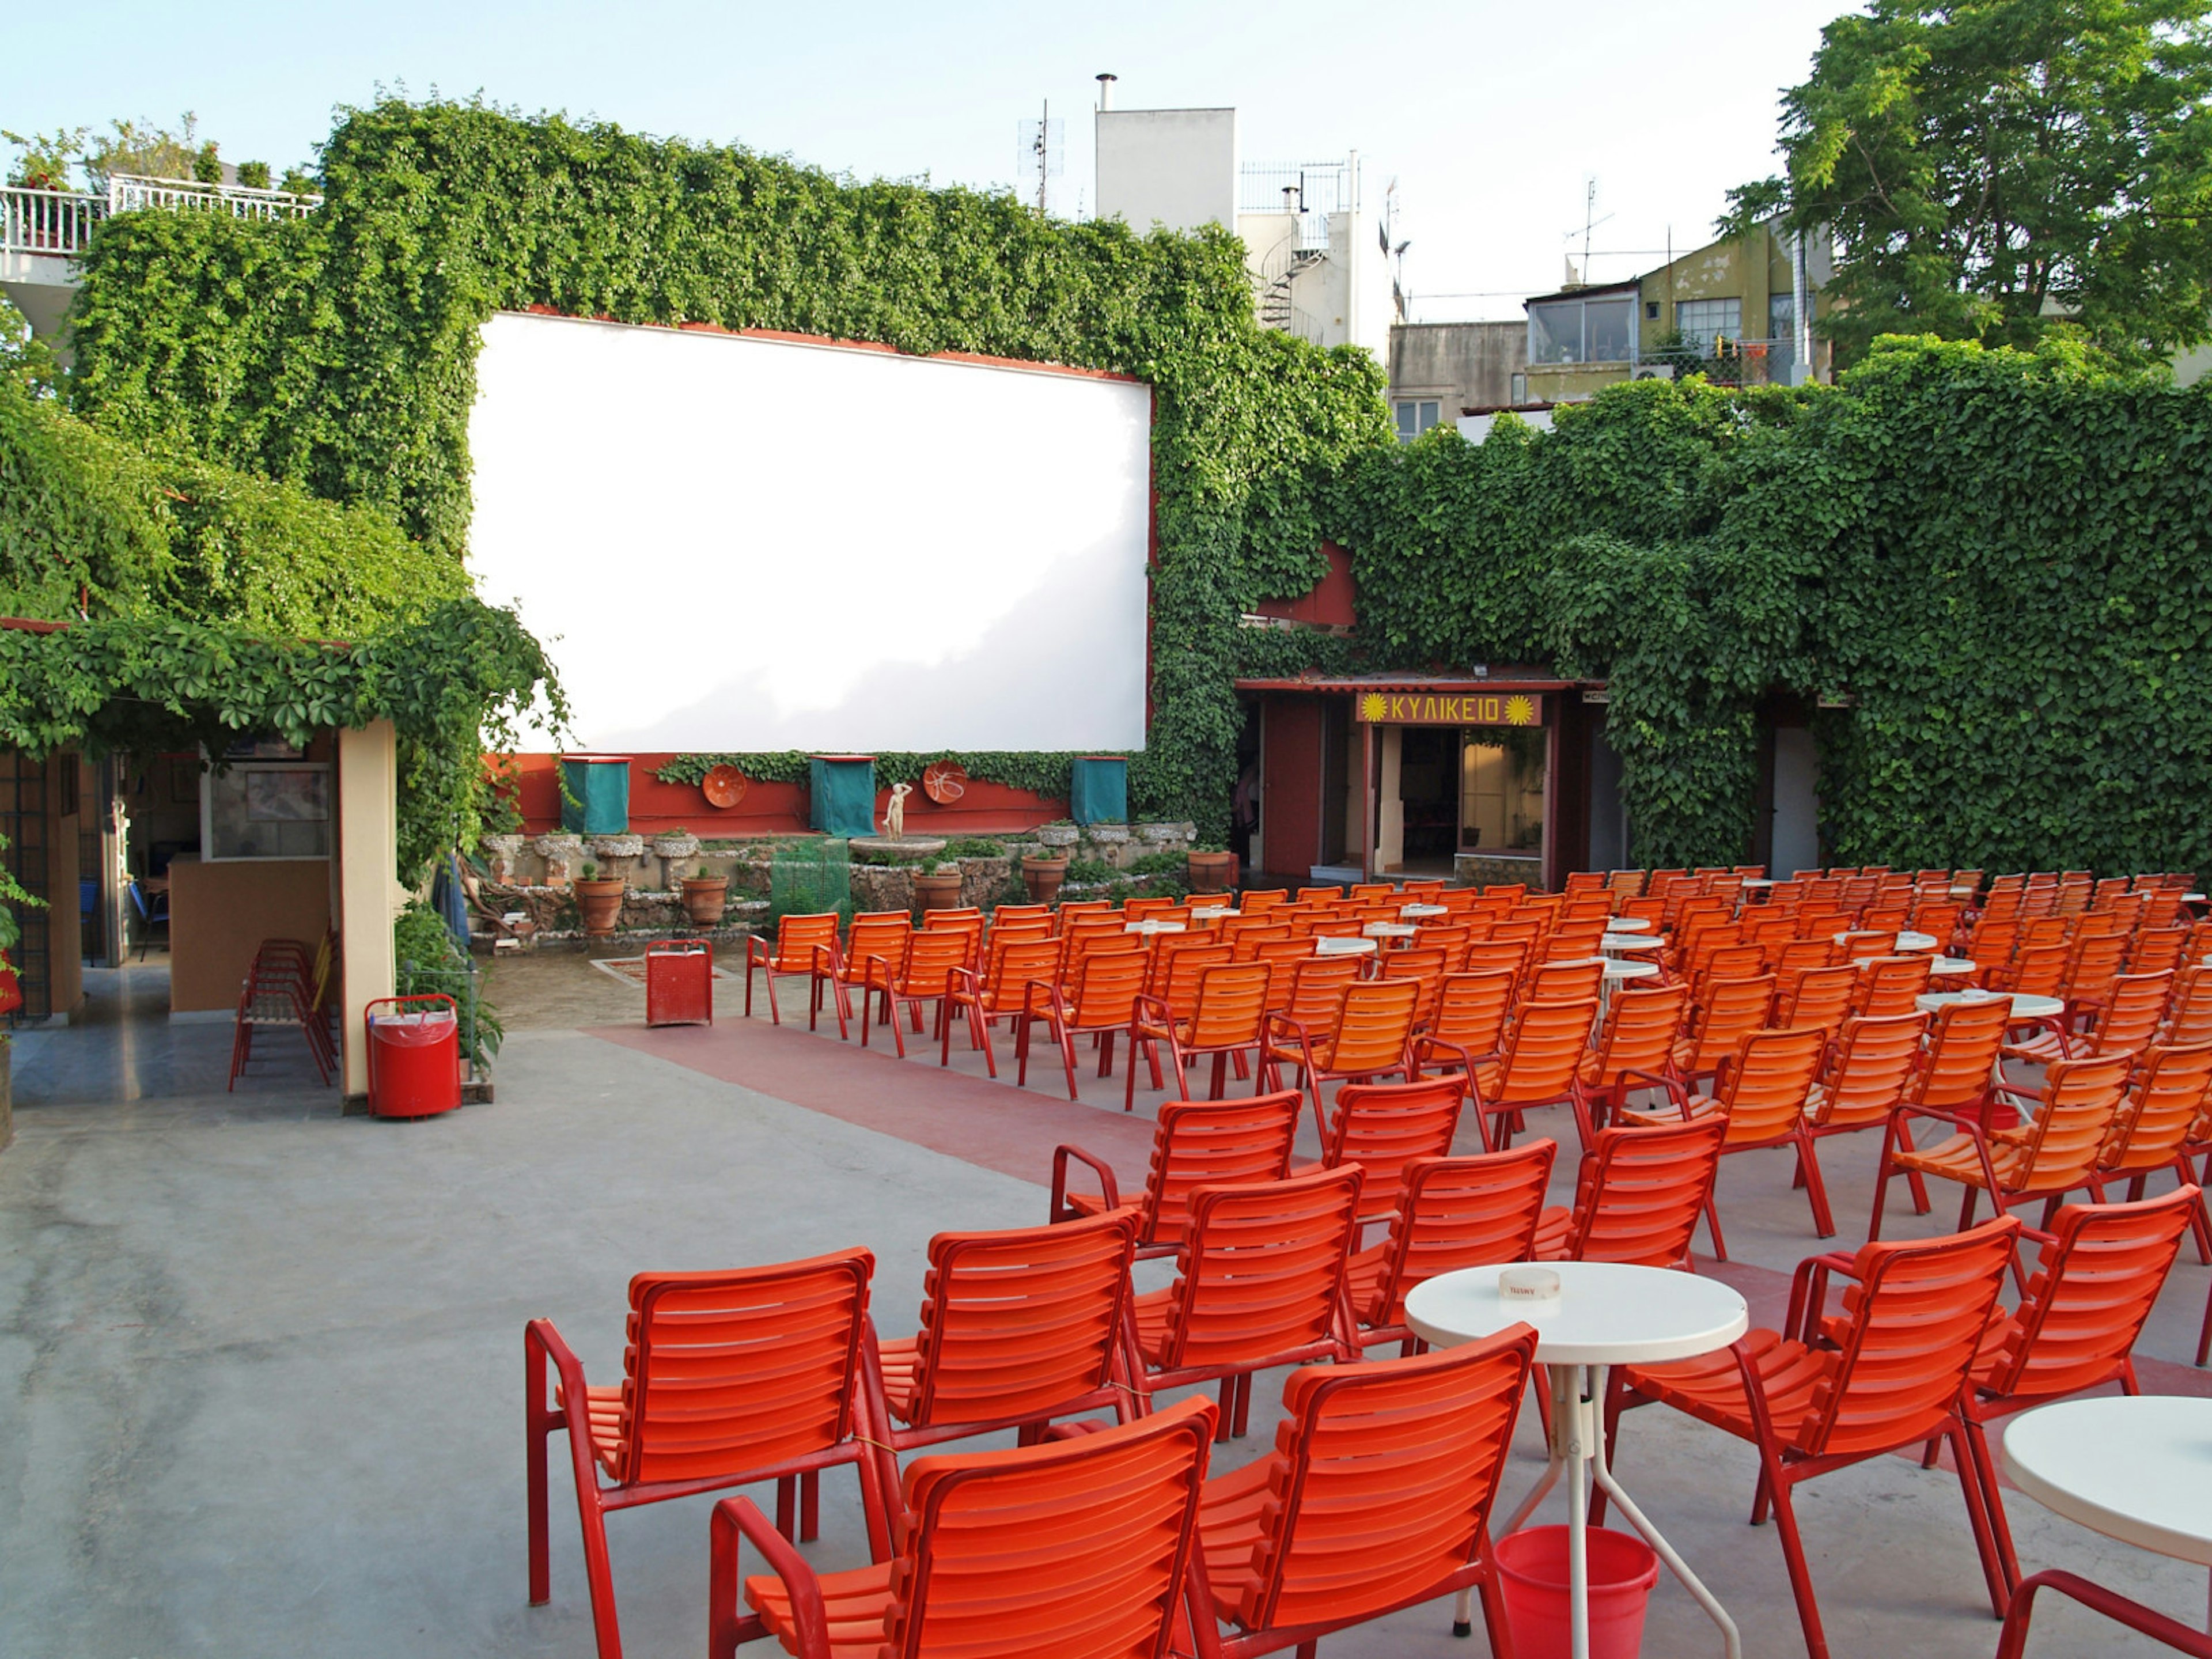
x: 1334, y: 600
x: 774, y: 809
x: 1290, y: 799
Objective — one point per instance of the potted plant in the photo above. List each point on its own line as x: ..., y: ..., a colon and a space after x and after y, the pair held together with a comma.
x: 938, y: 888
x: 705, y: 898
x: 600, y: 900
x: 1063, y: 833
x: 1042, y: 873
x: 1213, y: 869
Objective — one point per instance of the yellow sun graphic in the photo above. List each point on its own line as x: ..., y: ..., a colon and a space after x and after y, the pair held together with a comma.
x: 1374, y: 705
x: 1520, y: 711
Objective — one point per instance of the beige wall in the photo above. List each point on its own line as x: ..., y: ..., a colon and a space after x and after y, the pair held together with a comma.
x: 219, y: 915
x: 369, y: 893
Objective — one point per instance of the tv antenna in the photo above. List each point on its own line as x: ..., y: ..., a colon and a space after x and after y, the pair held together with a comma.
x: 1043, y: 153
x: 1589, y: 222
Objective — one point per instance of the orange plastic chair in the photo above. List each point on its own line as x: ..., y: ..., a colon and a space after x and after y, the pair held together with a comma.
x: 805, y: 946
x: 1564, y: 981
x: 2158, y: 950
x: 2052, y: 1154
x: 1383, y: 1127
x: 1260, y: 1283
x: 1194, y: 1144
x: 2168, y: 1097
x: 1891, y: 985
x: 876, y: 936
x: 1308, y: 895
x: 1635, y: 1050
x: 1083, y: 1546
x: 1371, y: 1036
x: 1101, y: 1003
x: 1252, y: 903
x: 1869, y: 1070
x: 2188, y: 1013
x: 1376, y: 1497
x: 1495, y: 955
x: 1732, y: 1011
x: 729, y: 1378
x: 2133, y: 1009
x: 998, y: 994
x: 1761, y: 1094
x: 2076, y: 1325
x: 1226, y: 1018
x: 1539, y: 1066
x: 1638, y: 1192
x: 1018, y: 1327
x: 1425, y: 967
x: 1176, y: 961
x: 1819, y: 998
x: 933, y: 958
x: 1893, y: 1379
x: 1469, y: 1020
x: 1452, y: 1212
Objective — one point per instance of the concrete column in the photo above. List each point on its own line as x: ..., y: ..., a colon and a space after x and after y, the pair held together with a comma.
x: 1390, y: 829
x: 368, y: 891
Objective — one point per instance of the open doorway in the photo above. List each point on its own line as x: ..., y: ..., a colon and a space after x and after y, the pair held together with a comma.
x: 1429, y: 798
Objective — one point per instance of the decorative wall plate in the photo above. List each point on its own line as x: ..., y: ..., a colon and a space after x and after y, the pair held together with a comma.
x: 944, y: 781
x: 724, y: 787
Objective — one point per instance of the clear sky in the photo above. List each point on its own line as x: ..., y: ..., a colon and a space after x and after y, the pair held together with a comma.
x: 1490, y: 118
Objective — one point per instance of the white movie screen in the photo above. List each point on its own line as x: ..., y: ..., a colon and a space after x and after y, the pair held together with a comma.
x: 731, y: 543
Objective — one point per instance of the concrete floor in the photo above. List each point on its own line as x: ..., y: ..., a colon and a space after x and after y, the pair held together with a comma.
x: 260, y: 1365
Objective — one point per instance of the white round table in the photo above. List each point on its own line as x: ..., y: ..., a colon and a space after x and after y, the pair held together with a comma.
x: 1333, y: 946
x: 1951, y: 967
x: 2025, y: 1006
x: 1628, y: 924
x: 1605, y: 1315
x: 1418, y: 910
x: 2136, y: 1468
x: 1148, y: 927
x: 1760, y: 882
x: 1389, y: 930
x: 1631, y: 942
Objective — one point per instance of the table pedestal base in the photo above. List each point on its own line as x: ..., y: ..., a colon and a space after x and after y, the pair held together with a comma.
x: 1578, y: 1437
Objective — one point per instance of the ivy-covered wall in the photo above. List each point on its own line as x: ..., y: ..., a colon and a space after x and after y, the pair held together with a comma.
x: 1999, y: 560
x: 338, y: 350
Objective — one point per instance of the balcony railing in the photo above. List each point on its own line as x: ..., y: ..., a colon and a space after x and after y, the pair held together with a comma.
x: 61, y: 222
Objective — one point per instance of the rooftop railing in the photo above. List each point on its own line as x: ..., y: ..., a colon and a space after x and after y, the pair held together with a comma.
x: 61, y: 222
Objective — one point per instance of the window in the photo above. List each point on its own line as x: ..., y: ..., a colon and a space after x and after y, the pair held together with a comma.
x: 1415, y: 416
x: 1700, y: 321
x: 1782, y: 336
x: 1599, y: 329
x: 1501, y: 789
x: 266, y: 812
x: 1650, y: 311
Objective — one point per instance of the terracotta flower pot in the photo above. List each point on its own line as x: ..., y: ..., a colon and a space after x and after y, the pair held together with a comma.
x: 705, y: 898
x: 1043, y: 876
x: 1212, y: 873
x: 600, y: 903
x: 938, y: 892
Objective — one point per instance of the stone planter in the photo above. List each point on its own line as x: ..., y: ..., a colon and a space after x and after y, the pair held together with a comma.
x: 1043, y: 876
x: 562, y: 854
x: 932, y: 891
x: 674, y: 846
x: 1212, y: 872
x: 502, y: 855
x: 1161, y: 832
x: 1110, y: 835
x: 599, y: 903
x: 1058, y: 835
x: 705, y: 898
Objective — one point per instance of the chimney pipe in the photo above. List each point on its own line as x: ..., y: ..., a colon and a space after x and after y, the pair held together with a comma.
x: 1106, y: 90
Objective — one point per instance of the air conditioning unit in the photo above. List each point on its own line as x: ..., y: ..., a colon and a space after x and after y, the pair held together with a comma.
x: 1652, y: 372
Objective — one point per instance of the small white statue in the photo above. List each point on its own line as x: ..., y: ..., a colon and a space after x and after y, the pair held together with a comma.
x: 895, y: 813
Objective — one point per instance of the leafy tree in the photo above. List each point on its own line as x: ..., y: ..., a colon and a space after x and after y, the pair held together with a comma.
x: 1996, y: 170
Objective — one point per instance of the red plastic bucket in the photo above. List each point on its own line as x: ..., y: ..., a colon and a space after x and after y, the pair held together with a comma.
x: 1532, y: 1567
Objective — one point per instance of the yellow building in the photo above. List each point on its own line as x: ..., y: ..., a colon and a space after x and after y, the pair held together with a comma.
x: 1732, y: 304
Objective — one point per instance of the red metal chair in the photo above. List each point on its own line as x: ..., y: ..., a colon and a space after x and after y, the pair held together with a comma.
x: 1259, y: 1283
x: 1085, y: 1546
x: 729, y: 1378
x: 806, y: 946
x: 1018, y: 1326
x: 1383, y: 1127
x: 2076, y: 1325
x: 1099, y: 1004
x: 1453, y: 1212
x: 1226, y: 1019
x: 1377, y: 1496
x: 1638, y: 1194
x: 2020, y: 1611
x: 1194, y: 1144
x: 1893, y: 1379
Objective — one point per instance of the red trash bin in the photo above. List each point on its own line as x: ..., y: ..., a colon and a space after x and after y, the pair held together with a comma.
x: 679, y: 982
x: 414, y: 1057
